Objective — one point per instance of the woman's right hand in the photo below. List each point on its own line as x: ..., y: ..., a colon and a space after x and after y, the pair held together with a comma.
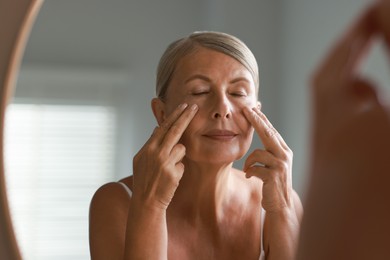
x: 157, y: 167
x: 349, y: 187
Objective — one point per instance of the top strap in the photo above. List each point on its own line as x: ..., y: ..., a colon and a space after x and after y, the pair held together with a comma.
x: 126, y: 188
x: 262, y: 254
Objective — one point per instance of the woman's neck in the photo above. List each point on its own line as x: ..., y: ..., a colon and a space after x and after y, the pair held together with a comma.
x: 203, y: 191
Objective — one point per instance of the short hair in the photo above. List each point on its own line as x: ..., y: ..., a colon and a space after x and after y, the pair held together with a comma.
x: 218, y: 41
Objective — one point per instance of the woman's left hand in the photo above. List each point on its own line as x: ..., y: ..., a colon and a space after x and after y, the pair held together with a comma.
x: 273, y: 165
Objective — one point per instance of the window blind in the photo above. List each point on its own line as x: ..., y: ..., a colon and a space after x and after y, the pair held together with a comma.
x: 56, y: 156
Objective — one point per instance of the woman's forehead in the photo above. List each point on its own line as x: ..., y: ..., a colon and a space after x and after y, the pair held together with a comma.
x: 209, y: 63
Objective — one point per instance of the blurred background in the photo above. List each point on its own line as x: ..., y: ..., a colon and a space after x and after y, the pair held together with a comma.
x: 81, y: 109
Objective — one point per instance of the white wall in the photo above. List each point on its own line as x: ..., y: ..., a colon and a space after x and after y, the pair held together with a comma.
x: 288, y: 37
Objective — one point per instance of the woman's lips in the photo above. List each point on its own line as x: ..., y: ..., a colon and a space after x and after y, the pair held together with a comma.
x: 220, y: 134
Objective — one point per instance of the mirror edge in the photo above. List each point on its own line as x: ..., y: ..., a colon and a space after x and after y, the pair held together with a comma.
x: 16, y: 20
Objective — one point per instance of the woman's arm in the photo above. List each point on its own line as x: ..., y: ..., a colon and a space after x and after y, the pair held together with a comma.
x: 273, y: 166
x: 147, y: 235
x: 137, y: 228
x: 157, y: 172
x: 281, y: 231
x: 107, y: 222
x: 122, y: 228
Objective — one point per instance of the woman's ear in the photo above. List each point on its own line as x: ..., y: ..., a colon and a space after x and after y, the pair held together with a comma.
x: 158, y: 107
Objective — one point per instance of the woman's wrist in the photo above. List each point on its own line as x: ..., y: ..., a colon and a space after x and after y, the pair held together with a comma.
x: 147, y: 205
x: 284, y: 214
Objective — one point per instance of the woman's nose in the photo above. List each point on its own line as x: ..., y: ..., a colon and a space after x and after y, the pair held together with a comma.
x: 221, y: 108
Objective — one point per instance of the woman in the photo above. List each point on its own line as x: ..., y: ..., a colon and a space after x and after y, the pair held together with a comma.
x: 185, y: 200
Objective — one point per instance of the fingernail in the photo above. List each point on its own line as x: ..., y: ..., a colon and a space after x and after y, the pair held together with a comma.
x: 253, y: 112
x: 183, y: 106
x: 194, y: 107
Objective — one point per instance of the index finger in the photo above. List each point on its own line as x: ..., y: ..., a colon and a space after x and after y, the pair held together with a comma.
x: 178, y: 127
x: 267, y: 133
x: 160, y: 131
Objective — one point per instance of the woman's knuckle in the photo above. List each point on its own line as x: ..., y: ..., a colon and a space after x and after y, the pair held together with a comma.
x: 175, y: 129
x: 180, y: 147
x: 281, y: 165
x: 286, y: 155
x: 160, y: 157
x: 257, y: 151
x: 258, y: 120
x: 180, y: 168
x: 283, y: 156
x: 164, y: 126
x: 172, y: 177
x: 290, y: 154
x: 278, y: 165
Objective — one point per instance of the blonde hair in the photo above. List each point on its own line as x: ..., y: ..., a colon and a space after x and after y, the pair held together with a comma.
x: 218, y: 41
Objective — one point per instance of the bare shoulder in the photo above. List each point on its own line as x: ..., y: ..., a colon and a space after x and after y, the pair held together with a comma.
x: 252, y: 183
x: 253, y: 186
x: 128, y: 181
x: 108, y: 215
x: 109, y: 192
x: 112, y: 191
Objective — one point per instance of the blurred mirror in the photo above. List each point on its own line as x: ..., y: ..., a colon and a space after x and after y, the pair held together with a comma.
x: 81, y: 108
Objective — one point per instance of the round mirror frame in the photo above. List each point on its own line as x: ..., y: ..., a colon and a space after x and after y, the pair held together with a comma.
x: 16, y: 20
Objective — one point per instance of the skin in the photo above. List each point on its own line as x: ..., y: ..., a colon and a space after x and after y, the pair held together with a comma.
x: 184, y: 184
x: 347, y: 205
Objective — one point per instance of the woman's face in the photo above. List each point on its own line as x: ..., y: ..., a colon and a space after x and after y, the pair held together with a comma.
x: 221, y: 87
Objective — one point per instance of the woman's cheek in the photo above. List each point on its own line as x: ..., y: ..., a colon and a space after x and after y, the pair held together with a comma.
x: 172, y: 104
x: 196, y: 120
x: 248, y: 101
x: 245, y: 104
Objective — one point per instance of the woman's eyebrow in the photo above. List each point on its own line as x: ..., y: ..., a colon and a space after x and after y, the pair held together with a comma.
x: 239, y: 79
x: 205, y: 78
x: 197, y: 76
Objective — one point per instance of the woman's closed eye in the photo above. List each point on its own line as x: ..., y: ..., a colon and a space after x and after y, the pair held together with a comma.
x: 200, y: 92
x: 238, y: 94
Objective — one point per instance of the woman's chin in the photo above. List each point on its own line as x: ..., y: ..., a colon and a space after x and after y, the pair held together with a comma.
x: 215, y: 157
